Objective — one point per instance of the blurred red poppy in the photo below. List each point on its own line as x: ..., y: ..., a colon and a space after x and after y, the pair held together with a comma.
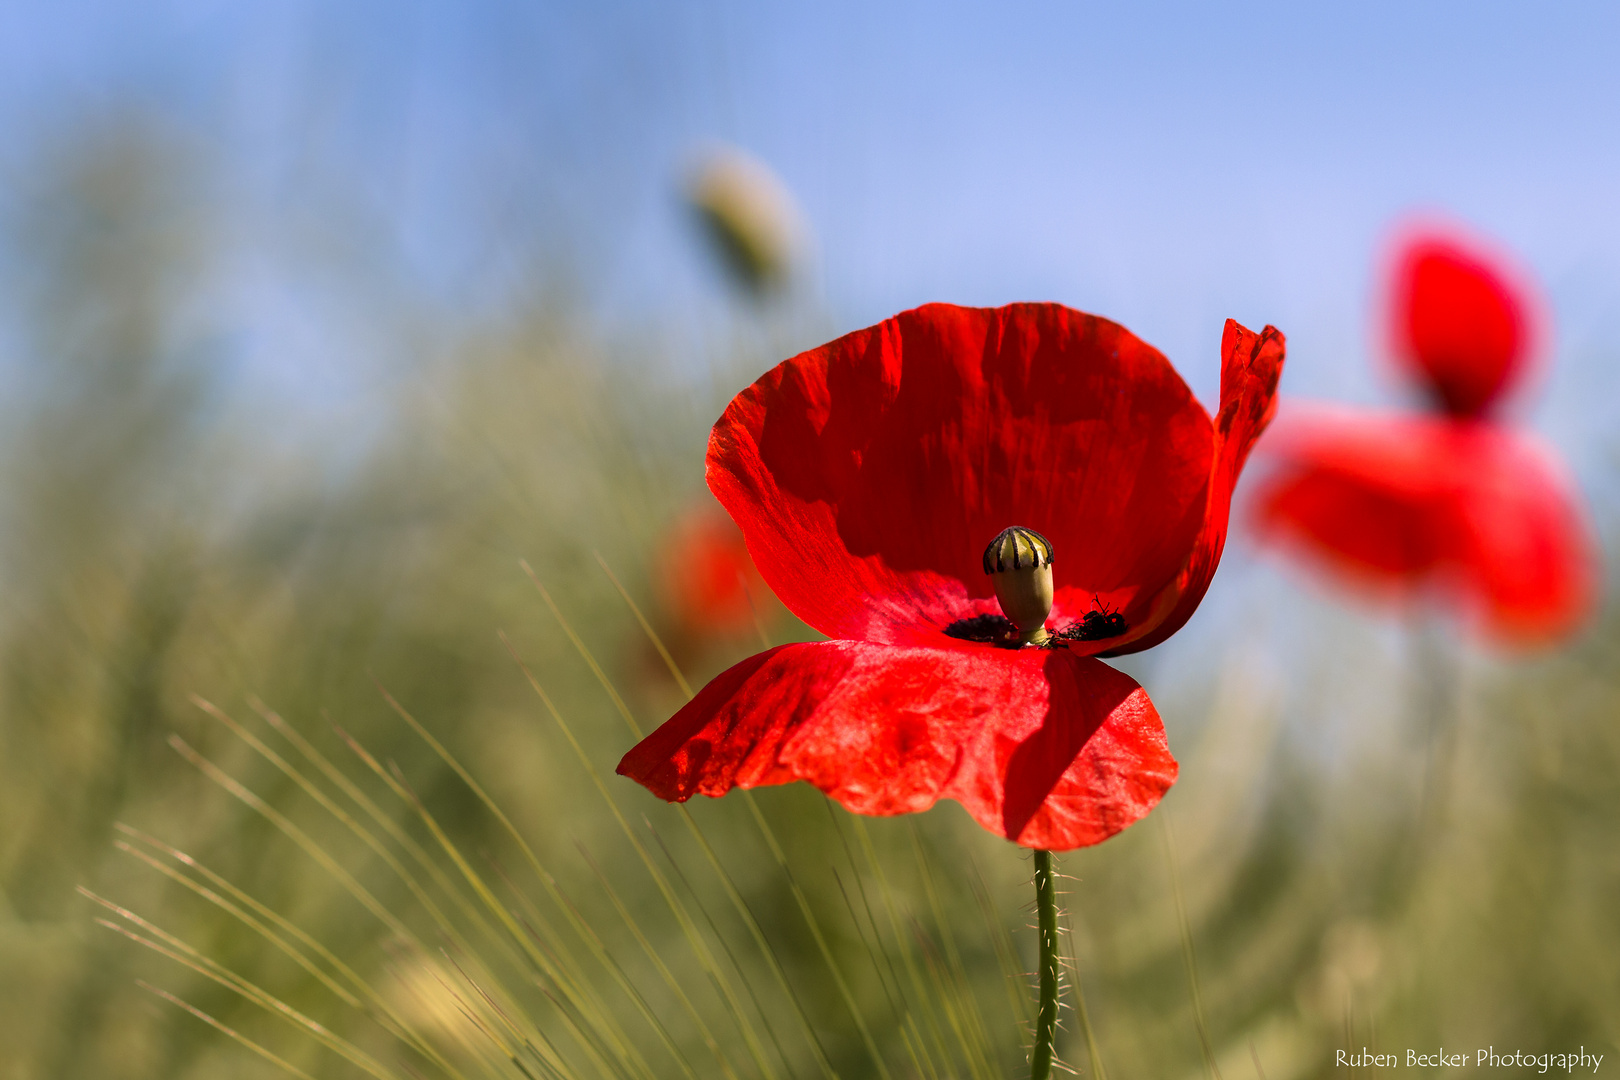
x: 1452, y: 503
x: 1461, y: 327
x: 710, y: 586
x: 868, y: 475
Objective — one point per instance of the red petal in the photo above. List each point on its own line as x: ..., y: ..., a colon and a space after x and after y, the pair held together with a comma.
x: 1458, y: 323
x: 1251, y: 364
x: 1406, y: 505
x: 1043, y: 747
x: 869, y: 474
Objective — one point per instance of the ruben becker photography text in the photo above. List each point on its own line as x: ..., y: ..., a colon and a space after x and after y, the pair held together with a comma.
x: 1489, y: 1058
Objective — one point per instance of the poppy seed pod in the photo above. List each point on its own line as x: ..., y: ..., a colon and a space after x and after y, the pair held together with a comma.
x: 1019, y: 562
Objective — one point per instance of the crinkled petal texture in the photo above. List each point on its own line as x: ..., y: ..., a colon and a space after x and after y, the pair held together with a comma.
x: 869, y: 474
x: 1048, y: 749
x: 1459, y: 323
x: 1405, y: 505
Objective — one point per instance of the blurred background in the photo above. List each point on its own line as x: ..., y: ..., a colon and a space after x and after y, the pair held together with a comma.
x: 315, y: 319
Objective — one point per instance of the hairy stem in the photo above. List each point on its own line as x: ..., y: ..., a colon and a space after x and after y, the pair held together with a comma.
x: 1040, y: 1058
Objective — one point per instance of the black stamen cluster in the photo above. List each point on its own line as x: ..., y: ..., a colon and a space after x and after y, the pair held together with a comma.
x: 1099, y: 624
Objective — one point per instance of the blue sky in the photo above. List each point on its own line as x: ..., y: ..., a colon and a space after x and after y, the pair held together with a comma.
x: 1165, y: 164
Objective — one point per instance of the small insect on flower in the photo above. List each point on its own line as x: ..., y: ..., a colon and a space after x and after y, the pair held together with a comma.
x: 1099, y: 624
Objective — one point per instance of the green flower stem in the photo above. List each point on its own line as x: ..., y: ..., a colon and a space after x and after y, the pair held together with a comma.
x: 1040, y: 1058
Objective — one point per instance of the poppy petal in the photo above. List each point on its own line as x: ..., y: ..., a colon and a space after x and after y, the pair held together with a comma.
x: 1406, y: 505
x: 1457, y: 322
x: 869, y: 474
x: 1251, y: 364
x: 1046, y: 748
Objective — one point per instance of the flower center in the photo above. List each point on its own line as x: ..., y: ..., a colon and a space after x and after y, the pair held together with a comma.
x: 1019, y: 562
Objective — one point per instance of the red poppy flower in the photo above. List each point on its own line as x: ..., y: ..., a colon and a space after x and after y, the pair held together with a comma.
x: 868, y: 475
x: 1459, y: 326
x: 1451, y: 503
x: 709, y: 583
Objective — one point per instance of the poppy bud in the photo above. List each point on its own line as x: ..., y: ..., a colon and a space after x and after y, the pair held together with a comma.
x: 1019, y: 562
x: 749, y: 217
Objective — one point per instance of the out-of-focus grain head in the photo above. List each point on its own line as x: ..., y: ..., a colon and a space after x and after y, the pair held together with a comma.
x: 440, y: 1000
x: 750, y: 218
